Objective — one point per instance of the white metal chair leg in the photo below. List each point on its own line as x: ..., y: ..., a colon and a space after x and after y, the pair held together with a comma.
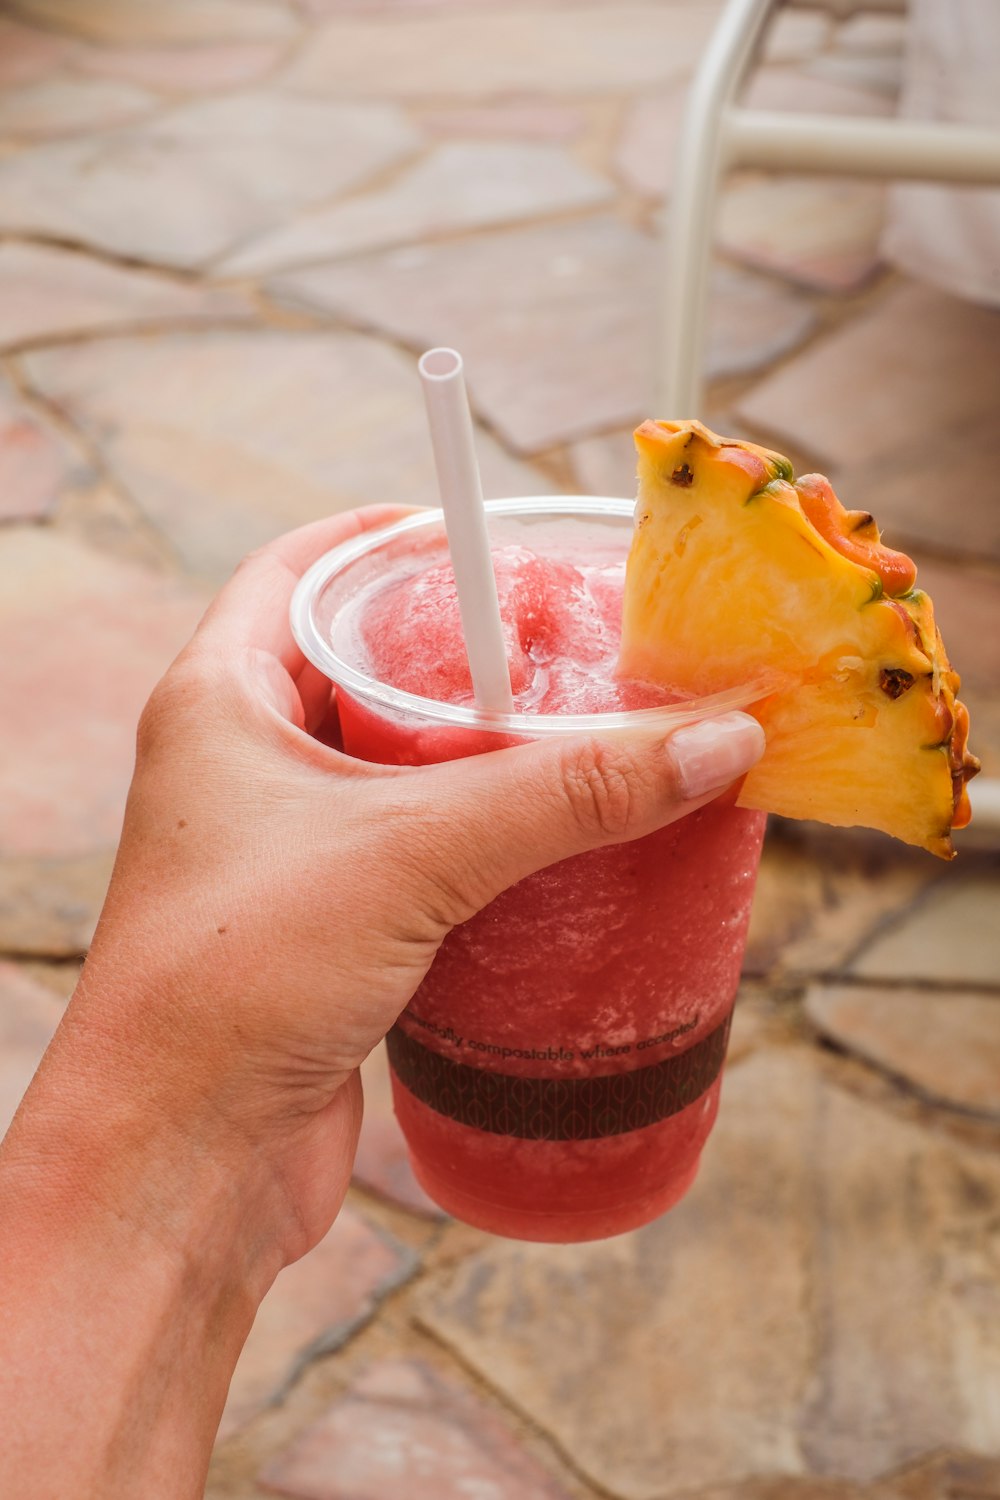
x: 715, y: 136
x: 701, y: 158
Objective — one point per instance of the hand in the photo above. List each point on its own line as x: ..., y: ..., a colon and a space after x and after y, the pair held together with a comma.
x: 273, y: 908
x: 282, y: 902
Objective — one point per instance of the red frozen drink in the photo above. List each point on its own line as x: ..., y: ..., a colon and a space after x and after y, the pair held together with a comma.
x: 558, y: 1071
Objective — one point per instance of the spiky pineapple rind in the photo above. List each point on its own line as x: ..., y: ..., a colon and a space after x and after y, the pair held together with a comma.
x: 834, y: 565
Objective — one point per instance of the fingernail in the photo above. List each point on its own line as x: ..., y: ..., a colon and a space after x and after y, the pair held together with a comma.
x: 710, y: 755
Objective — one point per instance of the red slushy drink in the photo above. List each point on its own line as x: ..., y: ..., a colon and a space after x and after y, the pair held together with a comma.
x: 558, y: 1071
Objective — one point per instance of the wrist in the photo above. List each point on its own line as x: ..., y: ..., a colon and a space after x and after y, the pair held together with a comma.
x: 130, y: 1274
x: 199, y: 1041
x: 128, y: 1155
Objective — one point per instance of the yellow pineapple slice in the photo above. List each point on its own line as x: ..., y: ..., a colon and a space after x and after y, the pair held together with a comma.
x: 738, y: 573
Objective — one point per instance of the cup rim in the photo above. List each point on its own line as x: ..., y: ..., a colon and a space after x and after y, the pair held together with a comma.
x: 318, y: 649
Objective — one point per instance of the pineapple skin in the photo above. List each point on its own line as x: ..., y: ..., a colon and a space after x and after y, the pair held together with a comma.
x: 738, y: 574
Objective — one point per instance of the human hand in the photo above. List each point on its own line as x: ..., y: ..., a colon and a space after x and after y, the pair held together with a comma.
x: 275, y: 904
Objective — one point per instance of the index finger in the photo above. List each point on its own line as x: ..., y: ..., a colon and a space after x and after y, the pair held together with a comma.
x: 251, y: 610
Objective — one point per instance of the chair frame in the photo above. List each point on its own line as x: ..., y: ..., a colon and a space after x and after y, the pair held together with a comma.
x: 718, y: 135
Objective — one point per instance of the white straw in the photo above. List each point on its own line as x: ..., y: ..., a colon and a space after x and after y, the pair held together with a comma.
x: 465, y: 523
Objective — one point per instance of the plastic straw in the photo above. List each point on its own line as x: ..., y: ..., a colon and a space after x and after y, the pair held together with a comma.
x: 465, y: 524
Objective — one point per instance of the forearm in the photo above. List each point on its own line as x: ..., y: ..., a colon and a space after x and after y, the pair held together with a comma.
x: 130, y: 1273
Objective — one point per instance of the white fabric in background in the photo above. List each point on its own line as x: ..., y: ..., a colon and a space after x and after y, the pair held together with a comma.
x: 950, y: 235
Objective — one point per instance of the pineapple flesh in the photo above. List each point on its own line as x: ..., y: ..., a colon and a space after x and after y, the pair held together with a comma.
x: 741, y: 574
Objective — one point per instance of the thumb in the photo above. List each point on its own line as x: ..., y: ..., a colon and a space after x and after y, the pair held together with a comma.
x: 504, y: 815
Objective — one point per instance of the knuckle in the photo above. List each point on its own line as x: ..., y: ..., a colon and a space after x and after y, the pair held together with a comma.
x: 181, y: 693
x: 257, y: 557
x: 153, y: 721
x: 600, y: 792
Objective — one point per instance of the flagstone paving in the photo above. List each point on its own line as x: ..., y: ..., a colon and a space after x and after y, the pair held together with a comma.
x: 195, y: 182
x: 49, y: 904
x: 64, y: 106
x: 184, y: 69
x: 463, y: 185
x: 227, y: 438
x: 820, y: 234
x: 794, y: 89
x: 118, y: 22
x: 573, y: 302
x: 36, y: 461
x: 492, y: 52
x: 52, y: 293
x: 227, y: 229
x: 906, y: 485
x: 534, y: 121
x: 66, y: 613
x: 950, y: 936
x: 945, y: 1043
x: 27, y: 54
x: 880, y: 72
x: 928, y: 361
x: 811, y: 915
x: 400, y: 1429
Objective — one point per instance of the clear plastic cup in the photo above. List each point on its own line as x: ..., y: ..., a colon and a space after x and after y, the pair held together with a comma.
x: 557, y: 1073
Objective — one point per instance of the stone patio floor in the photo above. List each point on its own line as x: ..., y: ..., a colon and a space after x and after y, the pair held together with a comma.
x: 227, y: 227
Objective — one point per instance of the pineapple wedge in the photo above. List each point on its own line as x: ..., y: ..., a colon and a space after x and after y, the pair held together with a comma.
x: 739, y: 573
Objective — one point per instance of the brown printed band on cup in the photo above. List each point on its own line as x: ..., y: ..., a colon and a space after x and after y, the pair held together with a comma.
x: 558, y: 1109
